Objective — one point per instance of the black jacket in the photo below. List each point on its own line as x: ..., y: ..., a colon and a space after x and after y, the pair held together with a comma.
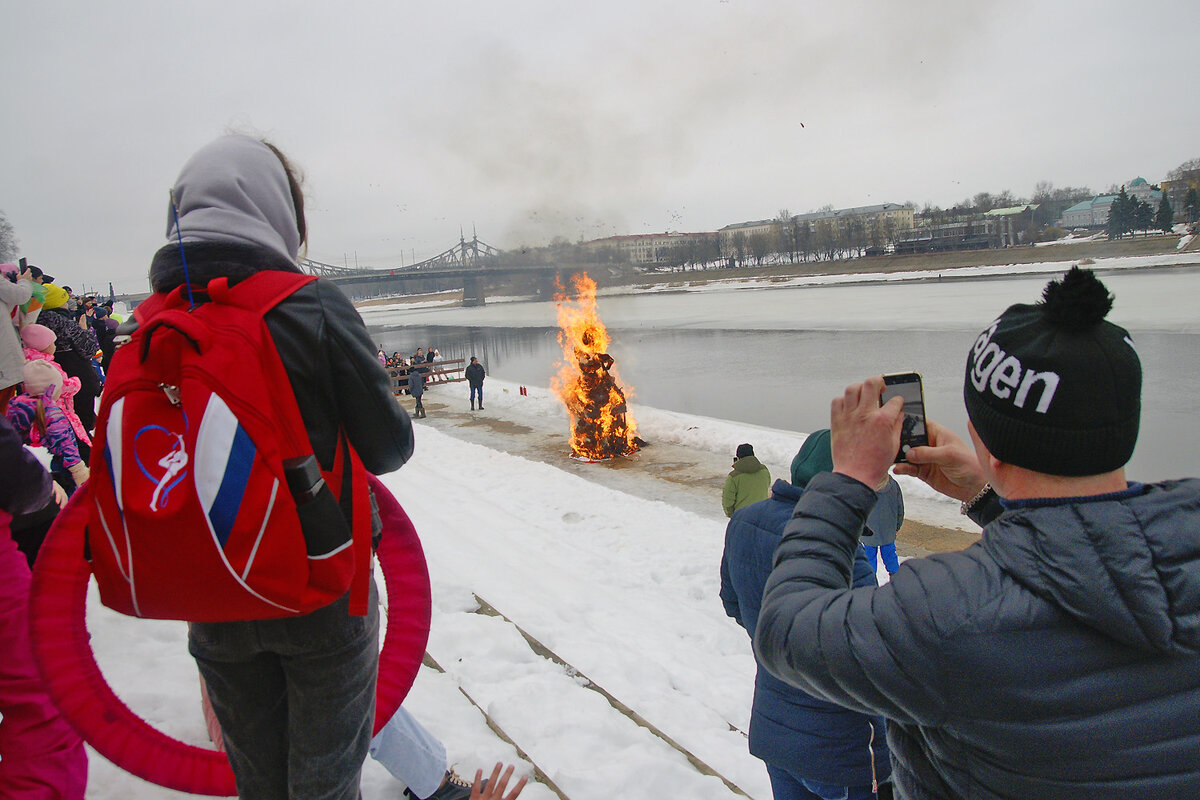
x: 323, y: 343
x: 474, y: 374
x: 1059, y: 657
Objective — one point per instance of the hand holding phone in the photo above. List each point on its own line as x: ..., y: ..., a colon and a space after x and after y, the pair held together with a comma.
x: 907, y: 385
x: 864, y: 434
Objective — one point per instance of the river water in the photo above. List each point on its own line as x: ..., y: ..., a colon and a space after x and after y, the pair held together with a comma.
x: 777, y: 356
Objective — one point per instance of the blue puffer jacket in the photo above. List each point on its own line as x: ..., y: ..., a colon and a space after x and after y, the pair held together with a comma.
x: 811, y: 738
x: 1057, y: 658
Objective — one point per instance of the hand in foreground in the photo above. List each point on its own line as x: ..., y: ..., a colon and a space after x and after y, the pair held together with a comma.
x: 496, y: 785
x: 865, y: 436
x: 60, y: 495
x: 948, y: 464
x: 79, y: 473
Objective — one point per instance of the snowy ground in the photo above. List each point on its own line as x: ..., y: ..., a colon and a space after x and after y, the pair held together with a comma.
x: 612, y: 568
x: 620, y: 586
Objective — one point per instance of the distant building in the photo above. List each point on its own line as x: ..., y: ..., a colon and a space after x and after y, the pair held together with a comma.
x: 1094, y: 213
x: 891, y: 217
x: 896, y: 216
x: 1011, y: 223
x: 650, y: 248
x: 1081, y: 215
x: 727, y: 236
x: 1177, y: 190
x: 968, y: 234
x: 1141, y: 189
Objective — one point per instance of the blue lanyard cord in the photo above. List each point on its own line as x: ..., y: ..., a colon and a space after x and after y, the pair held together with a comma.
x: 179, y: 235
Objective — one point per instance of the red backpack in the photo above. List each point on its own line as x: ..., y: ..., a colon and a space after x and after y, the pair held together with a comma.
x: 208, y: 504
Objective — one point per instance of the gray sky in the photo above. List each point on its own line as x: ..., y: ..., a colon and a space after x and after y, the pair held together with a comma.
x: 530, y: 119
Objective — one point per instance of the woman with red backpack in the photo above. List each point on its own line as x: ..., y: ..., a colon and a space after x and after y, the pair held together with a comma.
x: 294, y: 695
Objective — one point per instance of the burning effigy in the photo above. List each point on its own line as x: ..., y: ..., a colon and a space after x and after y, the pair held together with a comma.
x: 587, y: 382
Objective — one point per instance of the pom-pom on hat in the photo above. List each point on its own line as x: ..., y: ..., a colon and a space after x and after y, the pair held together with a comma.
x: 37, y: 337
x: 1055, y: 388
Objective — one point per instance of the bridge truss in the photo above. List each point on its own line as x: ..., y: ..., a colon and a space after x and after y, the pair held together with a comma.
x: 472, y: 254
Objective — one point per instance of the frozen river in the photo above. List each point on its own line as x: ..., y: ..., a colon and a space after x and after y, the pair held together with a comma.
x: 777, y: 356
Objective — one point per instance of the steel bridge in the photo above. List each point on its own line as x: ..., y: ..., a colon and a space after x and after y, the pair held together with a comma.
x: 471, y: 265
x: 472, y: 254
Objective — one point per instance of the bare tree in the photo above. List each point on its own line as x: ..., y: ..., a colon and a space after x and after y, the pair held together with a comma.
x: 878, y: 236
x: 828, y: 240
x: 739, y: 247
x: 804, y: 239
x: 892, y: 230
x: 787, y: 234
x: 8, y: 240
x: 1187, y: 169
x: 760, y: 245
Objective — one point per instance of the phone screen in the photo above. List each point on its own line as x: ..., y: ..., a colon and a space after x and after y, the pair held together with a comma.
x: 908, y: 386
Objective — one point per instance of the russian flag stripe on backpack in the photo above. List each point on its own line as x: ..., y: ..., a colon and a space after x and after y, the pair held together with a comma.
x: 208, y: 504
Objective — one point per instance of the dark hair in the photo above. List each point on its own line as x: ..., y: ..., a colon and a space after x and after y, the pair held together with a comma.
x: 294, y: 181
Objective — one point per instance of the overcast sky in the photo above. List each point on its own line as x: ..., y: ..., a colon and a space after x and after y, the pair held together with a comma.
x: 533, y: 119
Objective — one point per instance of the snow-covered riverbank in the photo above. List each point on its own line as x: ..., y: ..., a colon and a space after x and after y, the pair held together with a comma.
x: 612, y: 567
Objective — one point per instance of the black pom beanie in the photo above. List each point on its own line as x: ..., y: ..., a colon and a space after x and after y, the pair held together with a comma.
x: 1053, y: 387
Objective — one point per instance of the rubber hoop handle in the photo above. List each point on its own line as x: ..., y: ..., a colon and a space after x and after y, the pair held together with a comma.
x: 62, y: 648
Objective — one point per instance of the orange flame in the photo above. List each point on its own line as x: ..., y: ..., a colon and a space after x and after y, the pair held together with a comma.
x: 587, y: 383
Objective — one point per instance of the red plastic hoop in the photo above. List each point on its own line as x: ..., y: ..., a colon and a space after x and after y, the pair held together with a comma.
x: 73, y: 679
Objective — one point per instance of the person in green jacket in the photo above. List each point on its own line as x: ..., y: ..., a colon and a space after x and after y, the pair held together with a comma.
x: 748, y: 482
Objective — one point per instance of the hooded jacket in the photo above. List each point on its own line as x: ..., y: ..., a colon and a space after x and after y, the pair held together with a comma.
x: 12, y: 295
x: 748, y: 482
x: 1058, y: 657
x: 237, y: 217
x: 790, y: 729
x: 416, y: 381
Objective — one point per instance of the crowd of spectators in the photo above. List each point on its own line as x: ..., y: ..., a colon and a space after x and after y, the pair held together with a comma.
x: 54, y: 346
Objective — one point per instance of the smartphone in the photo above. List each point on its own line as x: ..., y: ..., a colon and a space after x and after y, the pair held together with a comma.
x: 908, y: 386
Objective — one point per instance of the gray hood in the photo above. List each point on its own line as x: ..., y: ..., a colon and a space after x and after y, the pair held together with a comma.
x: 235, y: 190
x: 1129, y: 568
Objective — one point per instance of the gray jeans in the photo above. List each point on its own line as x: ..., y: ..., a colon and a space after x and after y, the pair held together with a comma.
x: 295, y: 698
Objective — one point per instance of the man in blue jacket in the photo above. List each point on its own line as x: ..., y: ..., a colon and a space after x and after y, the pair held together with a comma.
x: 813, y: 749
x: 1060, y: 656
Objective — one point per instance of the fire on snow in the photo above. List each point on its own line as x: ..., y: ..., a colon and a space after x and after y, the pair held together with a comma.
x: 587, y: 383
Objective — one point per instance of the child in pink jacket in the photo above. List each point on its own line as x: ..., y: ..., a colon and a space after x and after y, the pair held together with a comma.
x: 40, y: 343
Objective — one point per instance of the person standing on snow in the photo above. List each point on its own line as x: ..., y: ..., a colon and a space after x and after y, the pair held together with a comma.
x: 474, y: 374
x: 416, y: 387
x: 879, y: 538
x: 812, y: 748
x: 748, y: 482
x: 1059, y: 657
x: 295, y: 697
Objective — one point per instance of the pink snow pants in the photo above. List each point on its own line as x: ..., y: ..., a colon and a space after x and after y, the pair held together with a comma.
x: 41, y: 757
